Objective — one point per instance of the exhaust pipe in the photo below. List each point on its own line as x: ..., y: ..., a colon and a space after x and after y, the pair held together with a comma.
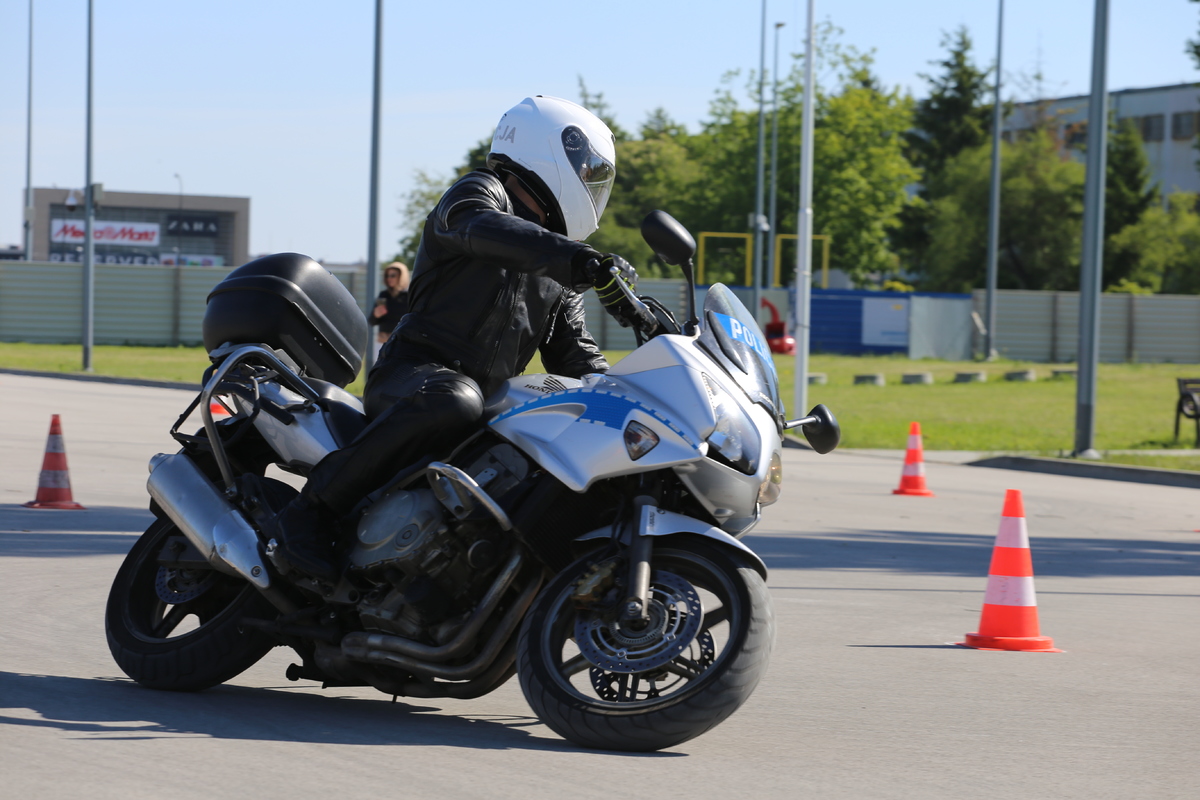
x: 206, y: 518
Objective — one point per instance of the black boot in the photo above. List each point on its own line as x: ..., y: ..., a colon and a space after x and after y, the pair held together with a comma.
x: 303, y: 531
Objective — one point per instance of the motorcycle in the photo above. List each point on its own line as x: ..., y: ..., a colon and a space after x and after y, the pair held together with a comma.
x: 586, y: 538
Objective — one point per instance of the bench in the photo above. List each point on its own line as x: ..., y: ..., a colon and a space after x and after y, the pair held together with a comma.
x: 1188, y: 404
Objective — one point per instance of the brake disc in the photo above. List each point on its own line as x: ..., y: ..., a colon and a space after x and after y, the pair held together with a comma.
x: 612, y: 686
x: 675, y: 614
x: 174, y: 586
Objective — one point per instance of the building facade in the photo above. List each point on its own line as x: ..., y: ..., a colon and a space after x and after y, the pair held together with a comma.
x: 143, y: 228
x: 1168, y: 118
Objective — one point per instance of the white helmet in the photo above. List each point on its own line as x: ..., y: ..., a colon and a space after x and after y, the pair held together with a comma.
x: 563, y: 155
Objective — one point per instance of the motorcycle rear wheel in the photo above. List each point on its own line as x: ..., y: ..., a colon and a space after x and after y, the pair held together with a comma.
x: 713, y: 667
x: 149, y: 636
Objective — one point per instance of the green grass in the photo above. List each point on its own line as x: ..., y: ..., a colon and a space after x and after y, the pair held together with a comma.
x: 149, y: 363
x: 1135, y: 405
x: 1135, y: 411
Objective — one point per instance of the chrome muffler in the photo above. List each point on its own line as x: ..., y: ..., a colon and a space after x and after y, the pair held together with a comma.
x: 206, y: 518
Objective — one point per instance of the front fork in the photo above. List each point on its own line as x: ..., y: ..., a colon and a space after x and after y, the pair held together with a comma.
x: 635, y: 607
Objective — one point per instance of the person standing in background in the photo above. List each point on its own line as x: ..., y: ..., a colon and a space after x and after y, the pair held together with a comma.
x: 392, y: 303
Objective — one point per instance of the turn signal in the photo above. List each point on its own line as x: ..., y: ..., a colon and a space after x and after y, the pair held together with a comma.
x: 769, y: 491
x: 639, y: 440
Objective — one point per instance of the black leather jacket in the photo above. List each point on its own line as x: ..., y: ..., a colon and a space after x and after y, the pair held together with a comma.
x: 490, y: 288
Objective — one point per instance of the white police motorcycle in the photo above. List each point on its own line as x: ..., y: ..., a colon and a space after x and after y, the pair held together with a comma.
x: 586, y: 538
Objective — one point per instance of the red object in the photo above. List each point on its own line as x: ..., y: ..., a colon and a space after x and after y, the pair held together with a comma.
x: 54, y: 485
x: 1010, y: 620
x: 912, y: 477
x: 777, y: 336
x: 217, y: 409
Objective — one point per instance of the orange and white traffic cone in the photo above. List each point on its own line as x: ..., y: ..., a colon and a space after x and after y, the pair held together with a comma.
x: 1010, y: 620
x: 912, y: 477
x: 217, y: 409
x: 54, y: 485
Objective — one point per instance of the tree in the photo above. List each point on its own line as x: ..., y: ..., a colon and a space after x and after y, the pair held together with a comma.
x: 860, y: 174
x: 1041, y: 213
x: 859, y: 168
x: 1193, y: 46
x: 954, y: 116
x: 951, y: 118
x: 1163, y: 247
x: 1128, y: 193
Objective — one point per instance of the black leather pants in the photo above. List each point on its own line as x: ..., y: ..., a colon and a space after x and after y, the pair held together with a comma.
x: 417, y: 409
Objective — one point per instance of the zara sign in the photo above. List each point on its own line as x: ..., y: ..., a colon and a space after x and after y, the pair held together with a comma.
x: 192, y: 225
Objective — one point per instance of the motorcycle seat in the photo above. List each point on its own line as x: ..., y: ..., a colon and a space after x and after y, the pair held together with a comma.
x: 343, y: 410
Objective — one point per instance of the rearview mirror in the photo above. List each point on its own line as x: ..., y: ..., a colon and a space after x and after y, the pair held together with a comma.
x: 666, y: 237
x: 823, y: 432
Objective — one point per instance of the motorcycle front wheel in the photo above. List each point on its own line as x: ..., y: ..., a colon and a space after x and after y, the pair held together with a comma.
x: 180, y: 629
x: 601, y: 683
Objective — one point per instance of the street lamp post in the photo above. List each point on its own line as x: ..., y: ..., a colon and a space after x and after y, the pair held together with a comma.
x: 177, y: 290
x: 804, y: 223
x: 757, y: 223
x: 993, y: 248
x: 89, y: 272
x: 373, y: 212
x: 1093, y: 242
x: 28, y: 212
x: 774, y: 155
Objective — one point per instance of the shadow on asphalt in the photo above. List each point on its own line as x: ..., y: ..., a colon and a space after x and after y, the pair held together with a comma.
x: 969, y: 555
x: 112, y: 708
x: 95, y: 531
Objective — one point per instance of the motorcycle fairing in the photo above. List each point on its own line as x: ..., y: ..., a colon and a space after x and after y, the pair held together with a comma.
x: 578, y: 434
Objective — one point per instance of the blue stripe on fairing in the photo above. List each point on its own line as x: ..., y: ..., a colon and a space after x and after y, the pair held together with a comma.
x: 599, y: 408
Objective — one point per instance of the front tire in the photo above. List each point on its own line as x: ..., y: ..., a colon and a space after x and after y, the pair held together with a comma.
x: 621, y: 691
x: 151, y: 606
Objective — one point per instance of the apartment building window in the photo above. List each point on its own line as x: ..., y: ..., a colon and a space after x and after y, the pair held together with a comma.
x: 1151, y: 127
x: 1076, y: 134
x: 1183, y: 125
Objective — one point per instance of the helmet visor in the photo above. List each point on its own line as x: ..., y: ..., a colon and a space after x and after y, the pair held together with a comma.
x: 596, y: 172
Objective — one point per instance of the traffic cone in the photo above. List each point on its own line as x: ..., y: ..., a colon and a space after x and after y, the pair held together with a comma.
x: 912, y: 477
x: 54, y: 484
x: 217, y: 409
x: 1009, y: 620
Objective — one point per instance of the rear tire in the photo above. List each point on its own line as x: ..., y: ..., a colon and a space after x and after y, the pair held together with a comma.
x: 702, y: 685
x: 141, y: 626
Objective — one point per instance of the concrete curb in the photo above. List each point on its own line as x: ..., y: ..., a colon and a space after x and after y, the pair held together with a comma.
x: 1087, y: 469
x: 76, y: 376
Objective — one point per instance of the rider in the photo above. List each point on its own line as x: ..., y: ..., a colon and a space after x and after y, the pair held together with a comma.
x: 498, y: 275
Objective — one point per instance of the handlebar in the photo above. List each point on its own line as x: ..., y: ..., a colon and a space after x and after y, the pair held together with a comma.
x: 643, y: 318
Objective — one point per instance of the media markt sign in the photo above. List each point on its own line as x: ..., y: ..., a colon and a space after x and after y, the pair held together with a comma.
x: 137, y: 234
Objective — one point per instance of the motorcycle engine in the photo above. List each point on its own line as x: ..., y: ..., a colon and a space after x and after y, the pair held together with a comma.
x: 424, y: 562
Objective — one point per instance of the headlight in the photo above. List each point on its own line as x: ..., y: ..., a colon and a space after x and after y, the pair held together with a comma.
x: 735, y: 441
x: 769, y: 491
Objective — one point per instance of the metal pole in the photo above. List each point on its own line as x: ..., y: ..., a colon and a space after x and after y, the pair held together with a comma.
x: 993, y: 248
x: 804, y: 224
x: 373, y: 213
x: 758, y: 186
x: 29, y: 148
x: 1093, y: 242
x: 89, y: 272
x: 774, y: 156
x: 177, y: 286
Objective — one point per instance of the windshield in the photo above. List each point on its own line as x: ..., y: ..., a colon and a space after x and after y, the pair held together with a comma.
x: 730, y: 334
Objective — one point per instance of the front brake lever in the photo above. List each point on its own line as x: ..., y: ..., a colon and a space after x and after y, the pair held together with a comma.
x: 649, y: 323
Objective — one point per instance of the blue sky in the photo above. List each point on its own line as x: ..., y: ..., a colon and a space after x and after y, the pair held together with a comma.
x: 271, y: 99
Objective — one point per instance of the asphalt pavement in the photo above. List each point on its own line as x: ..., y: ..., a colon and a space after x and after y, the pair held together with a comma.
x: 866, y: 696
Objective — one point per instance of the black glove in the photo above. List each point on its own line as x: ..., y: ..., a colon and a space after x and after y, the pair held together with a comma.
x: 605, y: 282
